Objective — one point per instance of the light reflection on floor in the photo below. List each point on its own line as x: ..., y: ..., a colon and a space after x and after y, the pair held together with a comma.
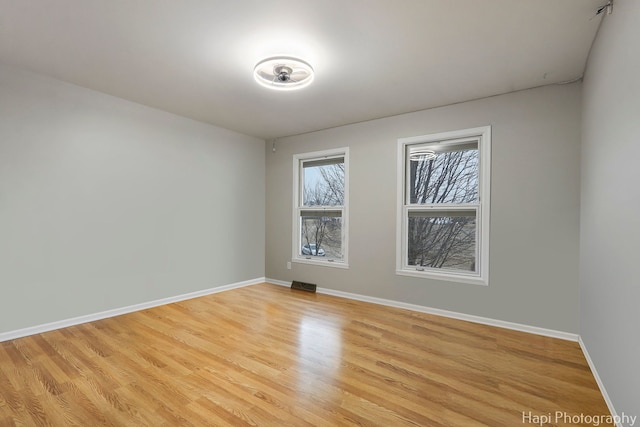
x: 319, y: 351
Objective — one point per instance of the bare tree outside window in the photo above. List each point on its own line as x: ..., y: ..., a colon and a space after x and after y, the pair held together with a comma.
x: 321, y: 224
x: 324, y: 183
x: 441, y: 231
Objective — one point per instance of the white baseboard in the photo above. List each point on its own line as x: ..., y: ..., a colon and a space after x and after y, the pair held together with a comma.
x: 607, y: 400
x: 445, y: 313
x: 278, y: 282
x: 5, y: 336
x: 32, y: 330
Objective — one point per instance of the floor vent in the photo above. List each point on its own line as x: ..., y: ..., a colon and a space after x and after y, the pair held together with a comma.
x: 309, y: 287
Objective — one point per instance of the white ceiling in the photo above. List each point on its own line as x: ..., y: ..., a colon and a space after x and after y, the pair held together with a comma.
x: 373, y: 58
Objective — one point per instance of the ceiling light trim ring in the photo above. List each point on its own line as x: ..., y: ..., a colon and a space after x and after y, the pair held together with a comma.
x: 283, y: 73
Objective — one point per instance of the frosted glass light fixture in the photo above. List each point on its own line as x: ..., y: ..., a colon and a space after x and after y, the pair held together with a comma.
x: 283, y: 73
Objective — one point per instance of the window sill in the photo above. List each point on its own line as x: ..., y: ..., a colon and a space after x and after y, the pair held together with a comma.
x: 459, y: 278
x: 322, y: 263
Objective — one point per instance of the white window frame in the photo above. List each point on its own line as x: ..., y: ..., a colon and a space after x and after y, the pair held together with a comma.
x: 481, y: 277
x: 298, y: 160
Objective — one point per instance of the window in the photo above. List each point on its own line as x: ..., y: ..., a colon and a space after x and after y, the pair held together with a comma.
x: 321, y: 194
x: 443, y: 206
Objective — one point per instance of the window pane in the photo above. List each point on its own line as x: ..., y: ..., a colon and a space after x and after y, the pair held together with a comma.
x: 323, y: 182
x: 447, y: 242
x: 321, y: 235
x: 448, y: 175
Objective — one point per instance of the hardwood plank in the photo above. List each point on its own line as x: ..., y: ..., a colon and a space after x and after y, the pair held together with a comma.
x: 267, y: 355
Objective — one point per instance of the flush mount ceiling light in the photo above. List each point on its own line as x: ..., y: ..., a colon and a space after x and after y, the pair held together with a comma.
x: 422, y: 155
x: 283, y: 73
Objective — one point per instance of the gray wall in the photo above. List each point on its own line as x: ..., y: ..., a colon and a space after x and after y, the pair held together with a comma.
x: 534, y: 208
x: 610, y: 211
x: 105, y: 203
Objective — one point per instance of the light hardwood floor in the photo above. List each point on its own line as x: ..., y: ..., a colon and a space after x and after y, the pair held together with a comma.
x: 269, y: 356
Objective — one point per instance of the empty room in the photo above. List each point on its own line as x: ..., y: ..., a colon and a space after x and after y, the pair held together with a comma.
x: 319, y: 213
